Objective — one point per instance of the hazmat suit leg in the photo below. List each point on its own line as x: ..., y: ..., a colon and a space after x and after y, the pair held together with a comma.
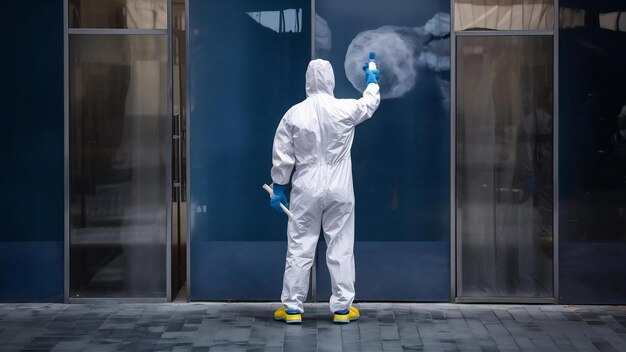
x: 338, y: 225
x: 302, y: 235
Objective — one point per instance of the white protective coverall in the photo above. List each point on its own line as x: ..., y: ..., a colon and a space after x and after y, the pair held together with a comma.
x: 315, y: 136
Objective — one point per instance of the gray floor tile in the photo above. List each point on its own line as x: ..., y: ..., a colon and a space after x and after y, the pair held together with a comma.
x: 250, y: 327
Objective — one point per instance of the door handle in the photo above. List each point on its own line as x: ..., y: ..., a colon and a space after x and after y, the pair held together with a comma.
x: 176, y: 129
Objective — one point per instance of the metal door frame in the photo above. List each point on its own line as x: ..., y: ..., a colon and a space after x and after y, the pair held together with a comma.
x: 168, y: 269
x: 455, y: 240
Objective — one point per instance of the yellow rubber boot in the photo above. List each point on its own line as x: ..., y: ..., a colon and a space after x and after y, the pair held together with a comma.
x: 347, y: 316
x: 289, y: 317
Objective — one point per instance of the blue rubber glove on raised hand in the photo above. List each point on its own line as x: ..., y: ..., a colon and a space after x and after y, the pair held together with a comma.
x: 371, y: 76
x: 279, y: 197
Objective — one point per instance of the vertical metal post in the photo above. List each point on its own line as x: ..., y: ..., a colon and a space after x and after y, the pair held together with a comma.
x: 168, y: 177
x: 453, y: 263
x: 555, y: 153
x: 187, y: 143
x: 66, y: 159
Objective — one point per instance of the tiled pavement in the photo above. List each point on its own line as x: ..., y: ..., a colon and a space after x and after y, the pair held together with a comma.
x: 249, y: 327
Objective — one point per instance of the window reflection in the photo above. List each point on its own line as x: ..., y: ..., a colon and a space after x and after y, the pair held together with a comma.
x: 615, y: 21
x: 592, y: 157
x: 136, y: 14
x: 118, y: 131
x: 504, y: 166
x: 282, y: 21
x: 503, y: 14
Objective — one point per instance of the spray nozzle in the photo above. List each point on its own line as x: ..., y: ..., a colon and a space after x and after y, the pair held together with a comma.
x: 371, y: 65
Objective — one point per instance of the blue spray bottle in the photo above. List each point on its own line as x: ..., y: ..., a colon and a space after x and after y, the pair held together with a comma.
x: 372, y: 63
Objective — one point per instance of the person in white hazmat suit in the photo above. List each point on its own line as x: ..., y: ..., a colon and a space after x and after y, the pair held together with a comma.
x: 315, y: 137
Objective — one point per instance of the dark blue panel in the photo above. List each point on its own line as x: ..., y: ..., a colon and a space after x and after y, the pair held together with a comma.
x: 31, y: 271
x: 394, y: 271
x: 592, y: 165
x: 401, y: 157
x: 244, y: 75
x: 238, y: 270
x: 593, y: 273
x: 31, y: 160
x: 32, y: 143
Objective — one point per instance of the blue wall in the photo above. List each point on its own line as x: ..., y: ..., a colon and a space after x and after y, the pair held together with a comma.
x: 31, y: 237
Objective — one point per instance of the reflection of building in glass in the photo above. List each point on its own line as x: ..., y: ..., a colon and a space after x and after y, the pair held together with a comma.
x: 118, y: 113
x: 281, y: 21
x: 504, y: 164
x: 132, y: 14
x: 504, y: 14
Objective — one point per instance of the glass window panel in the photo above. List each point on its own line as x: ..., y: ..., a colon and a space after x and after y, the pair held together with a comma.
x: 401, y: 157
x: 32, y: 157
x: 592, y: 153
x: 118, y: 136
x: 503, y: 14
x: 135, y: 14
x: 504, y: 166
x: 248, y: 66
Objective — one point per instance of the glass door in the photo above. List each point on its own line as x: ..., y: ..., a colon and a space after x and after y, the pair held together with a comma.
x: 119, y: 140
x: 504, y: 169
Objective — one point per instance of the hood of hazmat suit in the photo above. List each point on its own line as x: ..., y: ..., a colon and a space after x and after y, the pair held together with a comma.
x: 315, y: 137
x: 320, y: 78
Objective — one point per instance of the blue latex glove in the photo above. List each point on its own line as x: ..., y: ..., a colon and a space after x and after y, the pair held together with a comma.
x: 279, y: 197
x: 371, y: 76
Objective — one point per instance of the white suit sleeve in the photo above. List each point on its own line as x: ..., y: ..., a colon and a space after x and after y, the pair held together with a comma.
x: 283, y: 157
x: 367, y: 104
